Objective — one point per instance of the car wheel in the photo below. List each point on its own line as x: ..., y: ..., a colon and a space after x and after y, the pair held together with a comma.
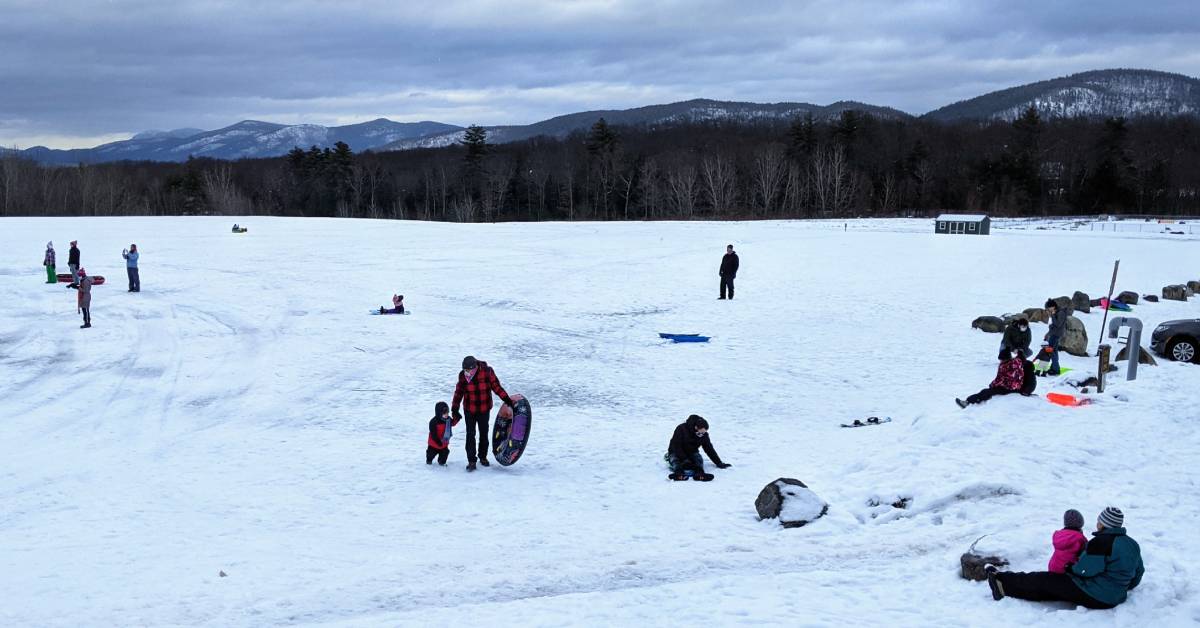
x: 1182, y: 350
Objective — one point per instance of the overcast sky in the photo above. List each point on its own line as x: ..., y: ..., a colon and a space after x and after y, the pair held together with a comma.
x: 81, y: 73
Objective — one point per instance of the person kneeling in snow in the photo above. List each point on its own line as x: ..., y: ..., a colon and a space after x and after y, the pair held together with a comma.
x: 1010, y: 378
x: 1107, y: 571
x: 397, y: 305
x: 683, y: 454
x: 438, y: 444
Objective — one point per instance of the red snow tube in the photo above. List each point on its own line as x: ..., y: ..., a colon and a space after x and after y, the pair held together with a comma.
x: 97, y: 280
x: 1064, y: 399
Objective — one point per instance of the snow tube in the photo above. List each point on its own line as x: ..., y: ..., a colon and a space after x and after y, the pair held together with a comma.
x: 690, y: 339
x: 97, y: 280
x: 512, y: 431
x: 1115, y: 305
x: 1064, y: 399
x: 671, y: 336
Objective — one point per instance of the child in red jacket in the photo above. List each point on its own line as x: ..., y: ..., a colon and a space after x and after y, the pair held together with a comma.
x: 1068, y: 542
x: 438, y: 445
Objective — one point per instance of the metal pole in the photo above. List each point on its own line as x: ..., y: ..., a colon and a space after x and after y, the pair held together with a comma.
x: 1111, y: 286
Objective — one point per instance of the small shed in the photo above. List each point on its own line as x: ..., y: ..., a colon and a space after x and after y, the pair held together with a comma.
x: 971, y: 224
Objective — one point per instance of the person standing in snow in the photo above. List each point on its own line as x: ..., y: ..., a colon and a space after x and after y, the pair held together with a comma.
x: 438, y: 443
x: 73, y: 264
x: 131, y: 268
x: 1109, y: 568
x: 48, y: 262
x: 476, y: 383
x: 1017, y: 337
x: 1068, y: 542
x: 683, y: 452
x: 729, y: 268
x: 84, y: 298
x: 1010, y: 378
x: 1058, y: 329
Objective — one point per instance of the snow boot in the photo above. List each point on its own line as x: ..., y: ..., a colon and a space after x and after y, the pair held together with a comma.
x: 994, y: 582
x: 85, y: 326
x: 961, y: 403
x: 678, y: 477
x: 703, y: 477
x: 483, y: 461
x: 471, y: 466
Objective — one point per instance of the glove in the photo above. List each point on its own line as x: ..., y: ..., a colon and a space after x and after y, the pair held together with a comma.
x: 456, y: 415
x: 723, y: 465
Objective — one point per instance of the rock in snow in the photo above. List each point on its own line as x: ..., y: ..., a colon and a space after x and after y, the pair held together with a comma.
x: 1175, y: 293
x: 1128, y: 297
x: 990, y: 324
x: 1081, y: 302
x: 791, y: 501
x: 1075, y: 341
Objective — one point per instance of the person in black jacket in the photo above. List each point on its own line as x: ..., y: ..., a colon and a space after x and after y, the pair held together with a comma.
x: 1017, y: 337
x: 683, y: 454
x: 73, y: 264
x: 729, y: 268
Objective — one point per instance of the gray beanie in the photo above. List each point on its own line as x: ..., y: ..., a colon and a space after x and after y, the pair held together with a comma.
x: 1112, y: 517
x: 1073, y: 519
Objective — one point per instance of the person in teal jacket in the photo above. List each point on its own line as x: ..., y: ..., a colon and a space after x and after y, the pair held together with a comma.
x: 1106, y: 572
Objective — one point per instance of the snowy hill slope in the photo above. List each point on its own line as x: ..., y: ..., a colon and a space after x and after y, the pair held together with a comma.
x: 244, y: 414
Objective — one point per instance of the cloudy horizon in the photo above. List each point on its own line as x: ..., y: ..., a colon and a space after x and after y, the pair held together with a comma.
x: 78, y: 74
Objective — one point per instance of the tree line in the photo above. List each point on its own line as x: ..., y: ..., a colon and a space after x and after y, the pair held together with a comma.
x: 853, y: 165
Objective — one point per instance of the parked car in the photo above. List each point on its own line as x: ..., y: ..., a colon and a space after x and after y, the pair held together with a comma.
x: 1178, y: 340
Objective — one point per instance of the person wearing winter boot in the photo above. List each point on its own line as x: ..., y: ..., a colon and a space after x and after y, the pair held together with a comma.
x: 476, y: 383
x: 729, y: 268
x: 1041, y: 362
x: 1010, y: 378
x: 1068, y: 542
x: 131, y: 268
x: 1017, y: 337
x: 1054, y: 336
x: 1109, y: 568
x: 73, y: 264
x: 84, y: 298
x: 48, y: 262
x: 438, y: 443
x: 397, y: 305
x: 683, y: 452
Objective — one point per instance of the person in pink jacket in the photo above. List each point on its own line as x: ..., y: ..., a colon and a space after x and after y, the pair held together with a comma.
x: 1068, y: 542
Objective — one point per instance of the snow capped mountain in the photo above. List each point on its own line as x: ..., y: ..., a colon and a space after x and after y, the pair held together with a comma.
x: 1101, y: 93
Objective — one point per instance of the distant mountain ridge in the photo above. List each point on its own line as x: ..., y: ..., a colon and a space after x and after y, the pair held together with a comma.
x: 1098, y: 93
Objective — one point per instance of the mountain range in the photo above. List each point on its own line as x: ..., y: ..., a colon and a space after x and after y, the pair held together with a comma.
x: 1099, y: 93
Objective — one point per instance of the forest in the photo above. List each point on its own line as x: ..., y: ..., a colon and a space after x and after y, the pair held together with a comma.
x: 854, y: 165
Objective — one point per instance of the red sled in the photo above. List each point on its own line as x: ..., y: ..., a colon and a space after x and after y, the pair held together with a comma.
x: 97, y: 280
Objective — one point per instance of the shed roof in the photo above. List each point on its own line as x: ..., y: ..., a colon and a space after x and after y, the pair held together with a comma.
x: 962, y: 217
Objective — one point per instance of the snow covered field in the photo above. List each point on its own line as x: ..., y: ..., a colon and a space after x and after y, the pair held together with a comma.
x: 244, y: 414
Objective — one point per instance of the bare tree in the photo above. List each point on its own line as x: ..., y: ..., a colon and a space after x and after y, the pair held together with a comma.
x: 682, y: 184
x: 768, y: 174
x: 648, y: 187
x: 223, y: 195
x: 719, y: 181
x: 835, y: 186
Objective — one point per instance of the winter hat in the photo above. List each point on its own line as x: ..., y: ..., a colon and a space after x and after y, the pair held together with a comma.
x: 442, y: 408
x: 82, y: 272
x: 1112, y: 517
x: 50, y: 244
x: 1073, y: 519
x: 1050, y: 303
x: 696, y: 422
x: 469, y: 362
x: 74, y: 242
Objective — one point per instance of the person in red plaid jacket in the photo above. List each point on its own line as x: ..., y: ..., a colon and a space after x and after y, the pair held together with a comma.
x: 476, y: 383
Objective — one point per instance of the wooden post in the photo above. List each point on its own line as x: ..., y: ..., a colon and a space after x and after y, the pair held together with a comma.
x: 1103, y: 352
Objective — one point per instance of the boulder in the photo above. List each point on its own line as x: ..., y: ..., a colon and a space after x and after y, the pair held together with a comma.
x: 990, y: 324
x: 1037, y: 315
x: 1194, y: 286
x: 1094, y: 303
x: 1075, y: 340
x: 1188, y: 292
x: 1081, y: 302
x: 1175, y: 293
x: 973, y: 565
x: 1064, y: 303
x: 1128, y: 297
x: 1150, y: 298
x: 1144, y: 356
x: 790, y: 501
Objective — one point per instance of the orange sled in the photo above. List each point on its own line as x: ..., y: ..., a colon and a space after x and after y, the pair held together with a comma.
x: 1064, y: 399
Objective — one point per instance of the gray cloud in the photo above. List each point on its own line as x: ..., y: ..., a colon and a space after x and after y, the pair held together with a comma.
x: 73, y: 73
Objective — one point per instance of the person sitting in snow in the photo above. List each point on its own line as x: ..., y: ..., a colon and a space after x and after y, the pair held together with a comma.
x: 397, y: 305
x: 1017, y: 337
x: 1010, y: 378
x: 1041, y: 363
x: 1109, y: 568
x: 438, y: 444
x: 683, y: 454
x: 1068, y: 542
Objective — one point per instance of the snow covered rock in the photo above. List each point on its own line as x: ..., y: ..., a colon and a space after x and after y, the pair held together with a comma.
x: 989, y: 324
x: 1081, y: 302
x: 1194, y: 286
x: 1150, y: 298
x: 1144, y: 356
x: 791, y: 501
x: 1075, y: 341
x: 1128, y: 297
x: 1175, y: 293
x: 973, y: 565
x: 1036, y: 315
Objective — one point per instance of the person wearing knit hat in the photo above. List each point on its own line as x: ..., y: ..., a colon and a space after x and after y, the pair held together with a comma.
x: 1068, y: 542
x: 476, y: 384
x: 1107, y: 570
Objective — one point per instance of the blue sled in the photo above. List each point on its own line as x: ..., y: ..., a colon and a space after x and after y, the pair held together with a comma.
x: 673, y: 336
x: 690, y: 339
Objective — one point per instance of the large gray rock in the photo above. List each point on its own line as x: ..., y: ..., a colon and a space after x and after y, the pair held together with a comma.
x: 1128, y: 297
x: 1064, y: 303
x: 1075, y: 340
x: 790, y: 501
x: 973, y: 565
x: 990, y: 324
x: 1150, y: 298
x: 1144, y: 356
x: 1194, y: 286
x: 1037, y: 315
x: 1081, y: 302
x: 1175, y: 293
